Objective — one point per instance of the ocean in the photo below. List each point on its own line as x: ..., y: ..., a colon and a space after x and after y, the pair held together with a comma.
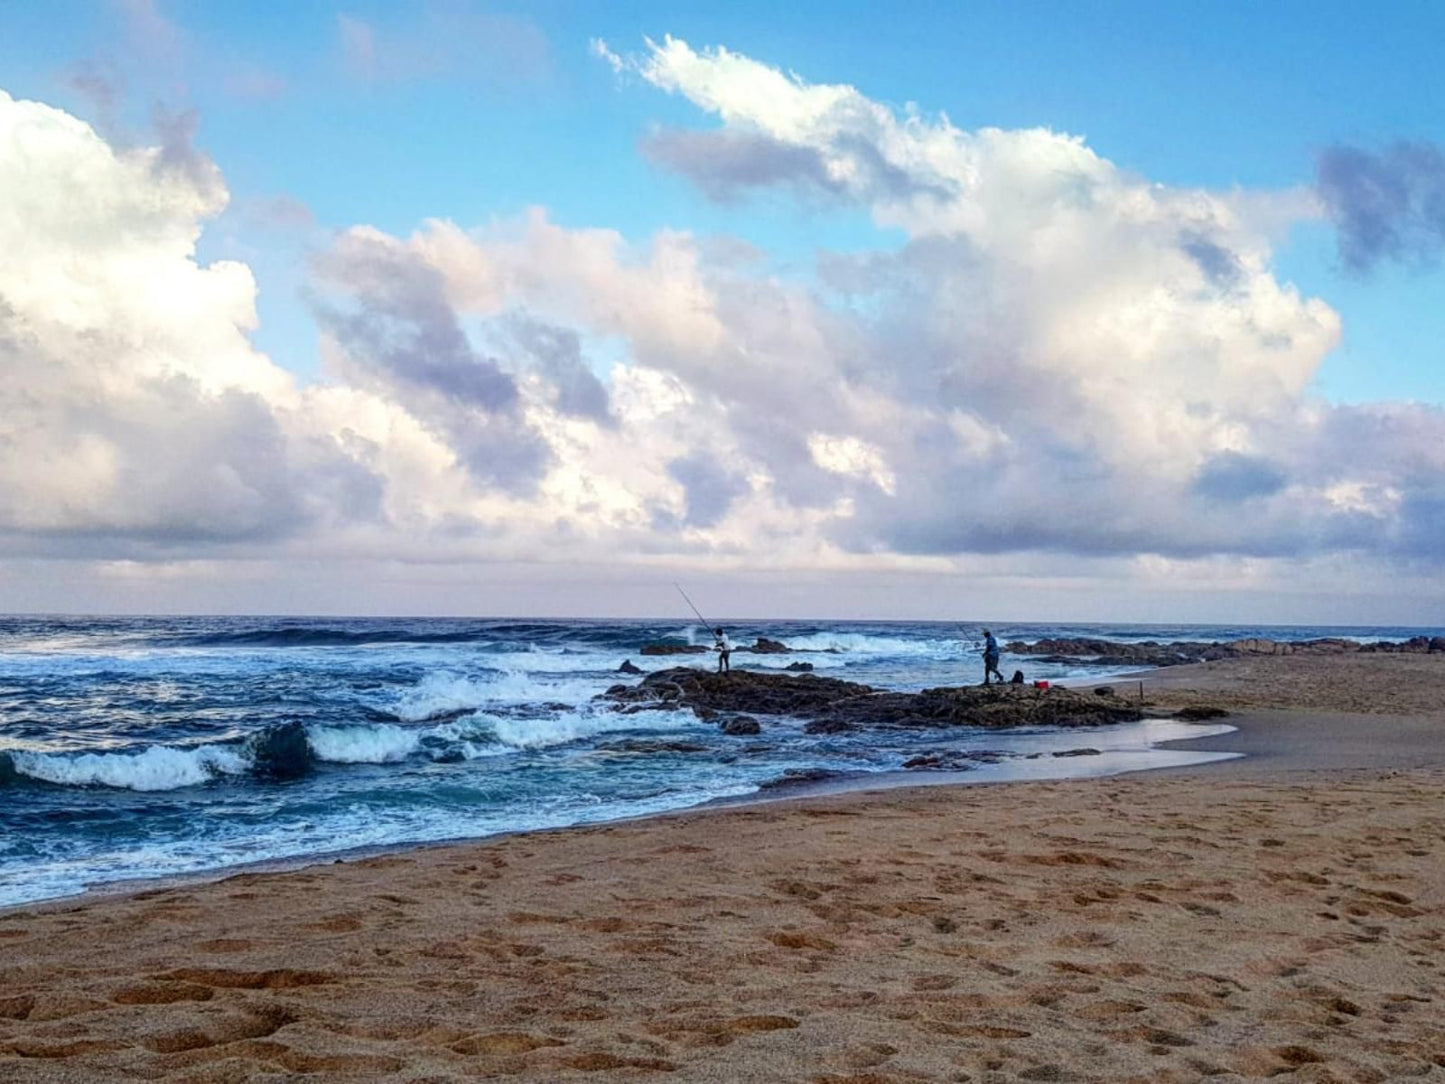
x: 165, y: 746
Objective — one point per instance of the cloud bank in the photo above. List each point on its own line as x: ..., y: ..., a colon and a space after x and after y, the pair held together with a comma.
x: 1059, y: 358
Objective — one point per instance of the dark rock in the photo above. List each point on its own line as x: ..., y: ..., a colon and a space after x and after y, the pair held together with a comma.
x: 794, y: 777
x: 281, y: 752
x: 1151, y: 653
x: 938, y: 762
x: 446, y: 715
x: 800, y: 667
x: 741, y: 726
x: 1104, y: 690
x: 672, y: 649
x: 829, y: 701
x: 651, y: 745
x: 628, y: 668
x: 1197, y: 712
x: 830, y: 726
x: 988, y: 756
x: 764, y: 646
x: 1077, y: 753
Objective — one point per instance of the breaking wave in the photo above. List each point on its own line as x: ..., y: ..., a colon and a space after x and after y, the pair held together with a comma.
x: 156, y: 767
x: 291, y: 750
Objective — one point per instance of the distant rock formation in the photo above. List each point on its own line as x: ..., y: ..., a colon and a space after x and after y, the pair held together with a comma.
x: 1176, y: 652
x: 764, y: 646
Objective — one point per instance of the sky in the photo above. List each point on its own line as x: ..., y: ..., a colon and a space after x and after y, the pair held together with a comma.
x: 1033, y: 311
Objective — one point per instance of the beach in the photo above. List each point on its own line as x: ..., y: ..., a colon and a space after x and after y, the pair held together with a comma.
x: 1276, y: 914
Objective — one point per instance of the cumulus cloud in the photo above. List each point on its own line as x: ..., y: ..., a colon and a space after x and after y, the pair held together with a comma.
x: 1386, y: 206
x: 1058, y: 357
x: 134, y: 407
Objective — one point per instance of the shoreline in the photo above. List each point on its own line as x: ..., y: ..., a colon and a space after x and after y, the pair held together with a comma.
x: 1261, y: 745
x: 1265, y: 743
x: 863, y: 783
x: 1275, y: 914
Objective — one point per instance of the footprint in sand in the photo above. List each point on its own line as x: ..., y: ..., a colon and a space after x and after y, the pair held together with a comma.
x: 223, y: 945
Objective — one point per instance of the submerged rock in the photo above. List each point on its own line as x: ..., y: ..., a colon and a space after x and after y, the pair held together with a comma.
x: 937, y: 762
x: 651, y: 745
x: 830, y: 726
x: 800, y: 667
x: 628, y: 668
x: 796, y: 777
x: 956, y: 760
x: 1078, y: 753
x: 741, y: 726
x: 764, y: 646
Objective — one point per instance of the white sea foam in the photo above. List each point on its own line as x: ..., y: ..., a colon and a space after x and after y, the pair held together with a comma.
x: 371, y: 744
x: 437, y: 693
x: 862, y: 644
x: 157, y: 767
x: 559, y: 730
x: 443, y: 692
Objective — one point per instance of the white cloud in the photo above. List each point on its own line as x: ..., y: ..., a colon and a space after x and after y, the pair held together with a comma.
x: 1060, y: 358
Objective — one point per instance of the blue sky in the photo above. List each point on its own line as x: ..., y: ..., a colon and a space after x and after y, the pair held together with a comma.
x: 1208, y: 94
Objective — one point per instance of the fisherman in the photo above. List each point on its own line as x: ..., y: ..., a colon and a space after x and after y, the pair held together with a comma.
x: 723, y: 646
x: 990, y: 657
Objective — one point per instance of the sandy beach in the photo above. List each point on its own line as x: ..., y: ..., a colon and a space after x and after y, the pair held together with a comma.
x: 1279, y: 914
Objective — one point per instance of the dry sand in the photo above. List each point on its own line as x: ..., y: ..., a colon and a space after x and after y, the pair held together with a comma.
x: 1281, y: 914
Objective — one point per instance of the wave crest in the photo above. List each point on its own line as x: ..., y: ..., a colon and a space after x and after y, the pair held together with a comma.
x: 156, y: 767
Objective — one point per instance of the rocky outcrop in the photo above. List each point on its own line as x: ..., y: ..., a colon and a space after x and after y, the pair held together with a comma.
x: 764, y: 646
x: 1198, y: 713
x: 672, y: 649
x: 1174, y: 653
x: 833, y: 706
x: 741, y: 726
x: 627, y: 667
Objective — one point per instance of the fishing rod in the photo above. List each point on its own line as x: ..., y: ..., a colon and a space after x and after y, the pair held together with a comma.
x: 705, y: 623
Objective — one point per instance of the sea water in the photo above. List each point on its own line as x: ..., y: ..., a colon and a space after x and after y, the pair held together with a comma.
x: 147, y: 747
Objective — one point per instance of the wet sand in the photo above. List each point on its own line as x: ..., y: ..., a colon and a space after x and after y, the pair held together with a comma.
x: 1281, y: 914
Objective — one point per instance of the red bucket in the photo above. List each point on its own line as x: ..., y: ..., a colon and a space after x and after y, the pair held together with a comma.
x: 1041, y: 685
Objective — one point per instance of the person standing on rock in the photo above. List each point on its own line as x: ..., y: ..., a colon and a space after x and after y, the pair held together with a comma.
x: 990, y: 657
x: 724, y: 648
